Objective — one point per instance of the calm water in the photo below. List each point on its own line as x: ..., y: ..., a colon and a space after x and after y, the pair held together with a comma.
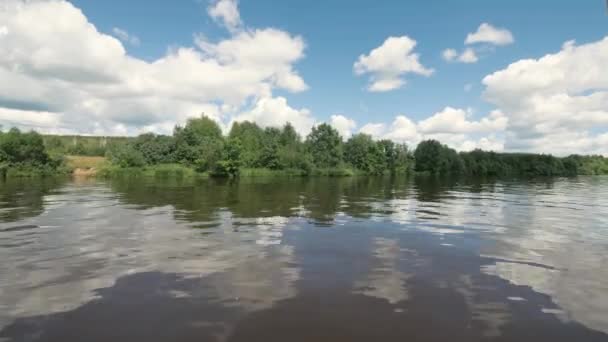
x: 358, y: 259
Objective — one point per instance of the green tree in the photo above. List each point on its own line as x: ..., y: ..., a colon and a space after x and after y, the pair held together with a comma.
x: 125, y: 155
x: 230, y: 162
x: 362, y: 152
x: 156, y: 149
x: 200, y: 142
x: 433, y: 157
x: 251, y: 137
x: 23, y: 148
x: 325, y: 146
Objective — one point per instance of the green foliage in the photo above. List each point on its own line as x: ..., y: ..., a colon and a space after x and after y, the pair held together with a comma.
x: 230, y: 162
x: 435, y: 158
x: 325, y: 146
x: 17, y: 148
x: 251, y: 137
x: 587, y: 165
x: 126, y: 156
x: 81, y: 145
x: 362, y: 152
x: 200, y: 148
x: 199, y: 143
x: 156, y: 149
x: 482, y: 163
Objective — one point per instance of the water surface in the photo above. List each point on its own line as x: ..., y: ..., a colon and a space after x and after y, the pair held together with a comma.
x: 321, y: 259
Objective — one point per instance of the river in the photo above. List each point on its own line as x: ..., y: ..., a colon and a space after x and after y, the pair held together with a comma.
x: 304, y: 259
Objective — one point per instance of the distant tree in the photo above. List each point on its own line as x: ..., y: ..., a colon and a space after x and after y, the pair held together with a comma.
x: 325, y: 146
x: 23, y: 148
x: 251, y: 137
x: 156, y: 149
x: 200, y: 142
x: 433, y: 157
x: 230, y: 162
x: 125, y: 155
x: 289, y: 136
x: 269, y: 154
x: 362, y: 152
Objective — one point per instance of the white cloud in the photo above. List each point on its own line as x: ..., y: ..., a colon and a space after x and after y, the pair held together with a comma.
x: 126, y: 36
x: 267, y: 51
x: 376, y: 130
x: 449, y: 54
x: 389, y: 63
x: 467, y: 56
x: 453, y: 120
x: 487, y: 33
x: 451, y: 126
x: 403, y: 130
x: 344, y: 125
x: 3, y: 31
x: 557, y: 103
x: 226, y: 12
x: 275, y: 112
x: 93, y: 86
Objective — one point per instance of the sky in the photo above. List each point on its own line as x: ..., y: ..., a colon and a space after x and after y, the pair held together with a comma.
x: 520, y: 76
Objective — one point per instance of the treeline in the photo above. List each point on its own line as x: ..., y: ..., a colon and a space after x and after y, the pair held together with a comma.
x: 201, y: 145
x: 247, y: 148
x: 81, y: 145
x: 433, y: 157
x: 25, y: 153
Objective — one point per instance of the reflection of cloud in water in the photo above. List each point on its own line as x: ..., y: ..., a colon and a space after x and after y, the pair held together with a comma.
x: 385, y: 281
x: 99, y: 241
x: 493, y: 315
x: 555, y: 227
x: 550, y: 224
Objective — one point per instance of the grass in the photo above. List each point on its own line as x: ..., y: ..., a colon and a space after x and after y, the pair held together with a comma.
x: 155, y: 171
x: 84, y: 162
x: 28, y: 171
x: 263, y: 172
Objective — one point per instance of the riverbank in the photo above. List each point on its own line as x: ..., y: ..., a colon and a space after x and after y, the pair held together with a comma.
x: 100, y: 167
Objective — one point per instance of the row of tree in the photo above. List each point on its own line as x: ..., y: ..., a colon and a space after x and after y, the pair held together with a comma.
x: 201, y: 145
x: 433, y: 157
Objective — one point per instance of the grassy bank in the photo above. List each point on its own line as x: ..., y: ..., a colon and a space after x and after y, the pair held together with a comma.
x: 160, y: 171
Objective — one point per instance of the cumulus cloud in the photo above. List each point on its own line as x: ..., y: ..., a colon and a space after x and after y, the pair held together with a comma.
x: 226, y: 12
x: 126, y: 37
x: 467, y: 56
x: 487, y: 33
x: 449, y: 54
x: 275, y: 112
x: 344, y: 125
x: 485, y: 36
x: 389, y: 63
x: 454, y: 120
x: 557, y: 103
x: 451, y: 126
x: 92, y: 85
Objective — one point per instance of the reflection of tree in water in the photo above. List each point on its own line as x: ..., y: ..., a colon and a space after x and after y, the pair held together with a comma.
x: 318, y: 199
x: 21, y: 198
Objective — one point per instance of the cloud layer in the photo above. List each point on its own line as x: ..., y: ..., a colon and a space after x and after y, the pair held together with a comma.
x: 388, y: 63
x: 557, y: 103
x: 487, y: 33
x: 93, y: 76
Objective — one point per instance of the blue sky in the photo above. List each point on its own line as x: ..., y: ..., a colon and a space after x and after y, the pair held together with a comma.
x: 335, y: 34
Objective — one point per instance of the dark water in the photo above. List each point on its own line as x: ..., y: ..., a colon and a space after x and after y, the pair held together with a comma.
x: 357, y: 259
